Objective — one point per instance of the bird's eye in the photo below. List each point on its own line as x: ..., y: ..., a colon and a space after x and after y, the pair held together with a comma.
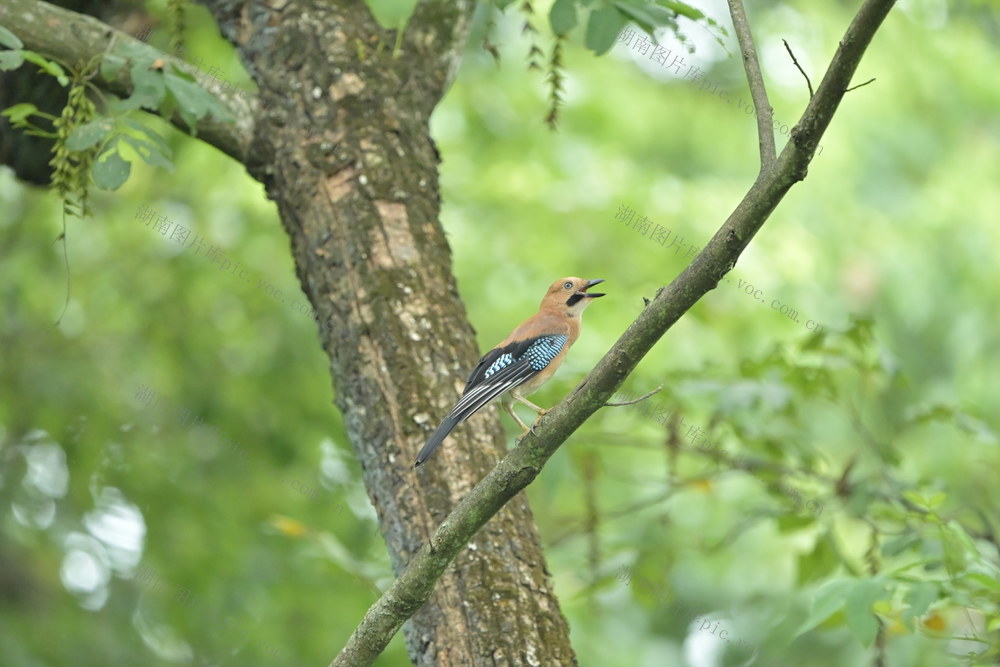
x: 568, y: 285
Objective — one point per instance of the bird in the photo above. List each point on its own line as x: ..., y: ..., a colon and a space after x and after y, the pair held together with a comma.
x: 523, y: 361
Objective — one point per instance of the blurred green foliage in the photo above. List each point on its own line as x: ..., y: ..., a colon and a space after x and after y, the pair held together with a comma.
x: 230, y: 493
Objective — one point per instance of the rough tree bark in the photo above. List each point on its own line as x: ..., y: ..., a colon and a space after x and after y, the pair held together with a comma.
x: 360, y: 202
x: 345, y: 151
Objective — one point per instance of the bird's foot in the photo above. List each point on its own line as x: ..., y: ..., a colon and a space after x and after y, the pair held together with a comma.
x: 528, y: 429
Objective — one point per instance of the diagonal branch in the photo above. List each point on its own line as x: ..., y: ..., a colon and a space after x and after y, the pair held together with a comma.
x: 765, y: 126
x: 414, y: 586
x: 59, y: 33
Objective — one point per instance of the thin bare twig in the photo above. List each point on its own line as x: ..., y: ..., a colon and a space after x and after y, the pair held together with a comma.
x: 765, y: 126
x: 641, y: 398
x: 859, y: 85
x: 808, y: 82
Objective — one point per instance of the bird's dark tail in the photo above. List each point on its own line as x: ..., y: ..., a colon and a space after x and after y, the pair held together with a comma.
x: 436, y: 439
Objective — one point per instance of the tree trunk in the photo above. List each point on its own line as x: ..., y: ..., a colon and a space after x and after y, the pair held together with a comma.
x: 347, y: 155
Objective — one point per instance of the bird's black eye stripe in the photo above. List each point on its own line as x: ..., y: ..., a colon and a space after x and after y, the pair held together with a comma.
x: 567, y: 285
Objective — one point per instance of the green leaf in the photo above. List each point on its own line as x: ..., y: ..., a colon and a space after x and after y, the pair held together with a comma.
x: 181, y: 74
x: 858, y: 609
x: 928, y: 563
x: 148, y: 152
x: 683, y: 9
x: 109, y: 173
x: 19, y: 112
x: 919, y: 598
x: 168, y: 107
x: 190, y: 100
x: 147, y: 87
x: 792, y: 522
x: 563, y: 16
x: 111, y: 65
x: 151, y: 135
x: 136, y: 51
x: 820, y: 562
x: 927, y: 502
x: 986, y: 582
x: 958, y: 530
x: 603, y: 27
x: 936, y: 499
x: 649, y: 17
x: 119, y: 107
x: 193, y: 101
x: 9, y: 39
x: 85, y: 136
x: 392, y: 14
x: 957, y: 546
x: 922, y: 414
x: 47, y: 66
x: 814, y: 341
x: 827, y: 601
x: 899, y: 544
x: 861, y: 332
x: 11, y: 60
x: 219, y: 111
x: 977, y: 427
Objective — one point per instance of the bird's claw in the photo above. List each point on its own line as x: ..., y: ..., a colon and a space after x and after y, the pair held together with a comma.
x: 527, y: 430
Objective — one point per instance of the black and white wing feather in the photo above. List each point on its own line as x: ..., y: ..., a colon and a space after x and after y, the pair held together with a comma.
x: 499, y: 371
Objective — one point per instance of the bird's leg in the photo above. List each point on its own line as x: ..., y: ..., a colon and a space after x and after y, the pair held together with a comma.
x: 509, y: 407
x: 540, y: 411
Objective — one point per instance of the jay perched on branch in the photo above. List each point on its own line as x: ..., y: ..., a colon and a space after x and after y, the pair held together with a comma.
x: 524, y: 361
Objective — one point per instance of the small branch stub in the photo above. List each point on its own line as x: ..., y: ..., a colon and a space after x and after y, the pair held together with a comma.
x: 635, y: 400
x: 796, y: 62
x: 860, y: 85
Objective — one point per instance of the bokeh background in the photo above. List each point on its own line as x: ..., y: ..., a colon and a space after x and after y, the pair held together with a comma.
x: 177, y: 488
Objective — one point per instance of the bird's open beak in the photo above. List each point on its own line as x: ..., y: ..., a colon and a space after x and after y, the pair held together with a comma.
x: 590, y: 283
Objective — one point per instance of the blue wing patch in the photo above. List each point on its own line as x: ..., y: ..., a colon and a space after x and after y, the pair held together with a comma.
x: 539, y: 354
x: 504, y: 361
x: 544, y: 350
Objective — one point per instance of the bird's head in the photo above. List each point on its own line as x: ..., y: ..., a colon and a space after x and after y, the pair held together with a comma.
x: 569, y: 295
